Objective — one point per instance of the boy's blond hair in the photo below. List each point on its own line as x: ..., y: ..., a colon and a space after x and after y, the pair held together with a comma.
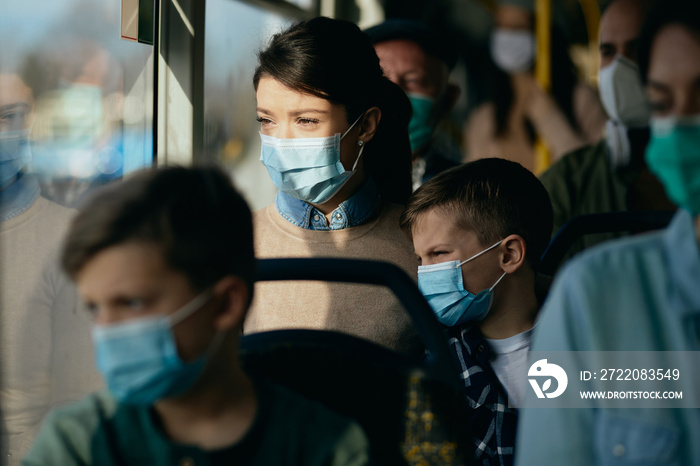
x: 493, y: 198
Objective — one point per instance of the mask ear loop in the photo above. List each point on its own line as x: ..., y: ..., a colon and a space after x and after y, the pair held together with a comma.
x: 352, y: 126
x: 359, y: 143
x: 192, y: 307
x: 189, y: 308
x: 498, y: 281
x: 362, y: 147
x: 477, y: 255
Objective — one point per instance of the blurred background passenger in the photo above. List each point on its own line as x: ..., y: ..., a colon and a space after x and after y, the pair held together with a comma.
x: 611, y: 175
x: 416, y: 58
x: 45, y: 354
x: 520, y: 111
x: 335, y: 143
x: 639, y: 293
x: 77, y: 140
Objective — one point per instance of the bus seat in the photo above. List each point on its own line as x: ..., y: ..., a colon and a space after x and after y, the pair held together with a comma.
x: 605, y: 222
x: 411, y: 409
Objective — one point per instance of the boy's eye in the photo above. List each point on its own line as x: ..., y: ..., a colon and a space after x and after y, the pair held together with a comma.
x: 91, y: 308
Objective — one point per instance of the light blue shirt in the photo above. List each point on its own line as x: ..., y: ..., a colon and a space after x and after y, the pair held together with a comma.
x: 636, y: 294
x: 354, y: 211
x: 18, y: 197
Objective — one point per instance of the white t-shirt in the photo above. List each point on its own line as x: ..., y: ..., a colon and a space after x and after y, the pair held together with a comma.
x: 509, y: 362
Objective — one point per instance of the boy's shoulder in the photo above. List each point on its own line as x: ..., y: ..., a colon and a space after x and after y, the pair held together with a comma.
x: 297, y: 427
x: 307, y: 417
x: 66, y: 433
x: 85, y: 414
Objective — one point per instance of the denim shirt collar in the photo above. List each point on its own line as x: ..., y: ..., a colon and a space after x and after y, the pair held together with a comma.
x: 683, y: 253
x: 354, y: 211
x: 18, y: 197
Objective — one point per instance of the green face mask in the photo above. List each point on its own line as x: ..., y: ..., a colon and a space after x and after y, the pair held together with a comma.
x: 673, y: 155
x: 419, y: 129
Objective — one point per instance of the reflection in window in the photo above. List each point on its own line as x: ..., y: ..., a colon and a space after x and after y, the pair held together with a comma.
x: 303, y: 4
x: 86, y: 128
x: 74, y: 114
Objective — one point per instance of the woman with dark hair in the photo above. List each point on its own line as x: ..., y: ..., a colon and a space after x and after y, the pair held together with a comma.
x: 519, y: 110
x: 635, y: 296
x: 335, y: 143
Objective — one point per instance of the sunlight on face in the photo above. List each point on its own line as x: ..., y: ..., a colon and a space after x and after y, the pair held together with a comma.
x: 437, y: 239
x: 288, y: 114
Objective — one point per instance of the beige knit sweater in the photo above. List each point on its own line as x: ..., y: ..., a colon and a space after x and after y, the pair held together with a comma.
x: 368, y: 311
x: 46, y: 354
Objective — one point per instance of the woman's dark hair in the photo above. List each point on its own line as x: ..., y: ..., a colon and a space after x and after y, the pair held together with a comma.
x: 685, y: 13
x: 333, y: 59
x: 564, y: 81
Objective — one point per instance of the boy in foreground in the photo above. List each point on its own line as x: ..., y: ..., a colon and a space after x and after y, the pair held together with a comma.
x: 165, y: 263
x: 478, y: 231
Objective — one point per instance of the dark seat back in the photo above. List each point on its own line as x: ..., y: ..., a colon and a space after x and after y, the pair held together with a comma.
x: 410, y: 409
x: 606, y: 222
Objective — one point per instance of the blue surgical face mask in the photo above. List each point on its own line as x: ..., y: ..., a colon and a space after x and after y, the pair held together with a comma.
x: 139, y: 360
x: 308, y: 169
x: 443, y: 288
x: 673, y: 155
x: 419, y: 130
x: 14, y: 155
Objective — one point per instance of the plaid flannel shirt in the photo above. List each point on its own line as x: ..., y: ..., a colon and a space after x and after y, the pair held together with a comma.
x: 491, y: 421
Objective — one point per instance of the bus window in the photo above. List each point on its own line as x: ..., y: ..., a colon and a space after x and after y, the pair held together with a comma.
x: 92, y: 93
x: 235, y: 32
x: 75, y: 113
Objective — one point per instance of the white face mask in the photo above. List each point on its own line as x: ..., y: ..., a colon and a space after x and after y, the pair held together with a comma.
x: 622, y: 93
x: 513, y: 51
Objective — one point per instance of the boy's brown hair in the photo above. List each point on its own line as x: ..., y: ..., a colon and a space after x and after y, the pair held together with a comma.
x: 493, y: 198
x: 195, y: 215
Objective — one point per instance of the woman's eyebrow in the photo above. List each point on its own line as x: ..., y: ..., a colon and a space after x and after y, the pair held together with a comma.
x: 307, y: 110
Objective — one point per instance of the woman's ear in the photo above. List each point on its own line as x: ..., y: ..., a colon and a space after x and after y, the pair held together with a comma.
x: 513, y: 250
x: 369, y: 124
x: 232, y: 291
